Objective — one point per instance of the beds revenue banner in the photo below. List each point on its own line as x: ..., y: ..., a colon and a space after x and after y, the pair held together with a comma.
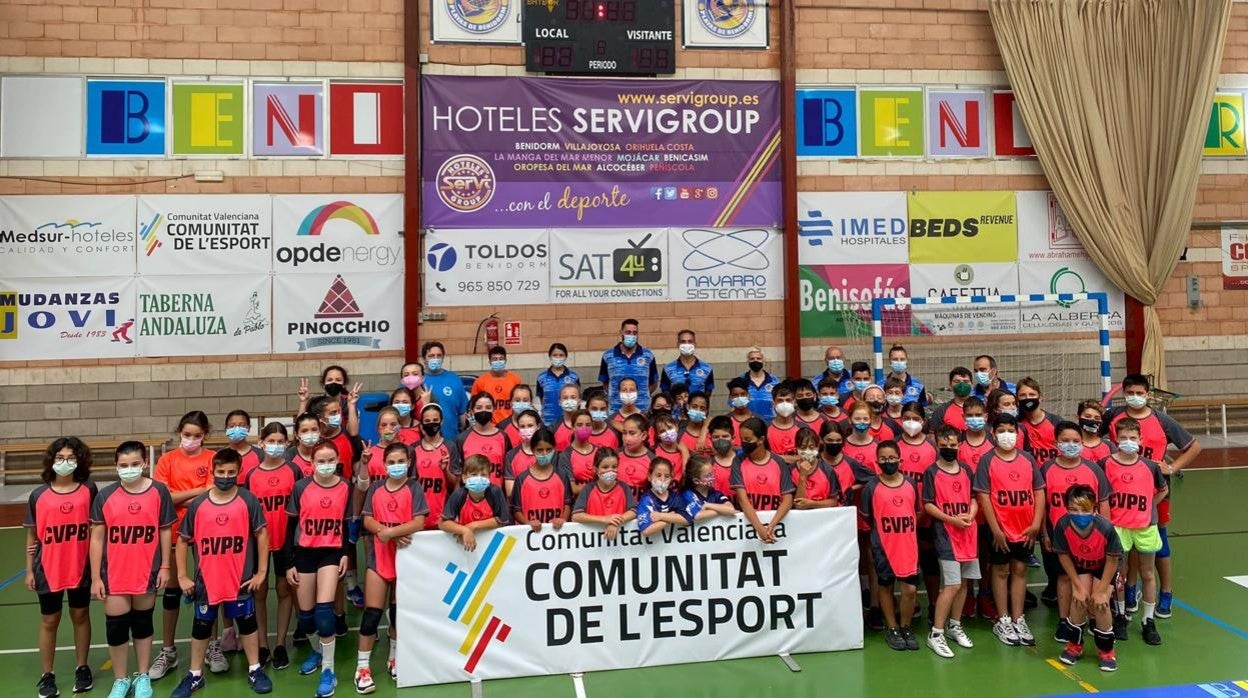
x: 528, y: 603
x: 506, y: 152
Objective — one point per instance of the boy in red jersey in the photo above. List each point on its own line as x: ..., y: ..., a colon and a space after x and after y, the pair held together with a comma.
x: 1092, y: 429
x: 807, y: 400
x: 722, y: 453
x: 542, y: 494
x: 782, y: 432
x: 950, y: 503
x: 477, y: 506
x: 436, y: 464
x: 953, y: 413
x: 228, y: 532
x: 607, y: 503
x: 739, y: 401
x: 1036, y: 423
x: 1091, y: 553
x: 830, y: 401
x: 761, y: 481
x: 1011, y: 493
x: 130, y: 552
x: 890, y: 503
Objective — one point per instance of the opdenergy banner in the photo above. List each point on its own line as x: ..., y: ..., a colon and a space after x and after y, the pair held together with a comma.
x: 528, y: 603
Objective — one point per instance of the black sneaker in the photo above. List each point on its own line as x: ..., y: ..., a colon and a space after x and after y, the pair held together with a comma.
x: 1151, y: 636
x: 875, y: 619
x: 1048, y: 597
x: 931, y: 616
x: 83, y: 680
x: 281, y: 659
x: 1120, y: 627
x: 47, y: 686
x: 265, y: 655
x: 340, y: 625
x: 895, y: 640
x: 299, y: 637
x: 1030, y: 601
x: 912, y: 642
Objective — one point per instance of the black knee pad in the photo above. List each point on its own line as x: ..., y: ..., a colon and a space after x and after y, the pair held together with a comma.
x: 247, y: 625
x: 141, y: 626
x: 307, y: 622
x: 369, y: 622
x: 1073, y: 632
x: 394, y: 610
x: 325, y: 622
x: 201, y: 629
x: 117, y: 629
x: 171, y: 599
x: 1104, y: 639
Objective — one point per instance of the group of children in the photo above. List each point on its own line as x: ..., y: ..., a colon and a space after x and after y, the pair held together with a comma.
x: 948, y: 500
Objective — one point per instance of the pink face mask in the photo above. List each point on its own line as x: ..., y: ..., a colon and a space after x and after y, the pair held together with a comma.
x: 632, y: 441
x: 412, y: 382
x: 582, y: 433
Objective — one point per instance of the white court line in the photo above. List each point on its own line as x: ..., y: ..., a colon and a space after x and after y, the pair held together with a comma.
x: 578, y: 684
x: 1241, y: 580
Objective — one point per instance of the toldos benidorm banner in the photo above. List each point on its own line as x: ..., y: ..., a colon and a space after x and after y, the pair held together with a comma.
x: 537, y: 603
x: 566, y: 152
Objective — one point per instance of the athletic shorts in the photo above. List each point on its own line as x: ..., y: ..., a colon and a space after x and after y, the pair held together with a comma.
x: 928, y: 564
x: 1017, y: 552
x: 309, y: 560
x: 280, y: 562
x: 243, y: 607
x: 884, y: 573
x: 51, y: 603
x: 1165, y: 543
x: 1142, y: 540
x: 953, y: 572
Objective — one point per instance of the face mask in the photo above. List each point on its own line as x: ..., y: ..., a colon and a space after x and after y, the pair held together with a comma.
x: 236, y: 434
x: 334, y: 389
x: 224, y: 484
x: 1070, y: 450
x: 708, y: 481
x: 860, y: 386
x: 482, y: 417
x: 947, y: 454
x: 1029, y: 405
x: 836, y: 365
x: 660, y: 487
x: 1092, y: 426
x: 1137, y: 401
x: 962, y: 389
x: 570, y: 405
x: 582, y: 433
x: 274, y: 450
x: 807, y: 455
x: 544, y: 459
x: 520, y: 406
x: 412, y: 382
x: 697, y: 416
x: 751, y: 446
x: 877, y: 407
x: 608, y: 477
x: 828, y: 400
x: 628, y: 398
x: 599, y: 415
x: 527, y: 433
x: 558, y: 362
x: 756, y: 366
x: 721, y: 445
x: 785, y: 409
x: 668, y: 436
x: 861, y: 427
x: 632, y: 440
x: 806, y: 404
x: 912, y: 427
x: 1012, y: 411
x: 434, y: 364
x: 396, y: 470
x: 191, y: 444
x: 983, y: 377
x: 404, y: 408
x: 326, y: 469
x: 630, y: 341
x: 890, y: 467
x: 1129, y: 447
x: 431, y: 428
x: 739, y: 402
x: 388, y: 434
x: 687, y: 349
x: 1007, y: 440
x: 477, y: 484
x: 892, y: 399
x: 64, y: 467
x: 976, y: 423
x: 1082, y: 520
x: 898, y: 366
x: 832, y: 450
x: 130, y: 473
x: 498, y: 365
x: 334, y: 421
x: 309, y: 439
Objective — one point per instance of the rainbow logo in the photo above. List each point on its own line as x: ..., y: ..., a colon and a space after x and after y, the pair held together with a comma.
x: 147, y: 234
x: 466, y: 597
x: 338, y: 210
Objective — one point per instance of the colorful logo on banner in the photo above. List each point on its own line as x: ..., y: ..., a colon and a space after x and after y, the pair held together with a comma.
x: 337, y: 305
x: 366, y: 119
x: 957, y: 123
x: 56, y: 321
x: 149, y: 240
x: 1225, y: 135
x: 316, y: 219
x: 863, y: 226
x: 1012, y: 139
x: 466, y: 183
x: 963, y: 227
x: 726, y: 19
x: 466, y: 597
x: 208, y: 119
x: 479, y: 16
x: 892, y: 122
x: 125, y: 117
x: 1234, y: 259
x: 743, y: 264
x: 287, y: 120
x: 827, y: 123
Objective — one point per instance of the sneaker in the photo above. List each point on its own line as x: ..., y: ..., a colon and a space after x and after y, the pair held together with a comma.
x: 1024, y: 633
x: 939, y: 646
x: 281, y: 658
x: 895, y: 640
x: 215, y: 659
x: 875, y: 619
x: 1030, y: 601
x: 1004, y: 630
x: 1062, y: 633
x: 299, y: 637
x: 394, y: 673
x: 955, y: 632
x: 83, y: 679
x: 190, y: 683
x: 121, y: 688
x: 1048, y: 597
x: 987, y: 609
x: 328, y: 683
x: 1151, y: 636
x: 1033, y: 561
x: 142, y: 686
x: 340, y: 625
x: 1108, y: 661
x: 1132, y: 598
x: 1120, y: 627
x: 311, y: 665
x: 47, y: 686
x: 1071, y: 654
x: 259, y: 681
x: 356, y: 596
x: 364, y: 681
x: 1164, y: 601
x: 165, y: 662
x: 265, y: 656
x: 229, y: 640
x: 968, y: 608
x: 907, y: 634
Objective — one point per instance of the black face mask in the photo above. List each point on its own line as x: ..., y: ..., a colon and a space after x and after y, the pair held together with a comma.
x: 949, y: 455
x: 431, y: 428
x: 806, y: 404
x: 1092, y: 426
x: 750, y: 447
x: 483, y: 417
x: 877, y: 406
x: 832, y: 450
x: 890, y: 467
x: 224, y: 483
x: 334, y: 389
x: 756, y: 366
x: 1031, y: 404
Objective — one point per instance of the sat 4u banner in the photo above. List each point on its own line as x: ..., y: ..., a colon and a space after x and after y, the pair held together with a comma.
x: 530, y: 603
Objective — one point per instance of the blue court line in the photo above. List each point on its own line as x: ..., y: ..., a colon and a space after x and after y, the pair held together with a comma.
x: 12, y: 579
x: 1196, y: 612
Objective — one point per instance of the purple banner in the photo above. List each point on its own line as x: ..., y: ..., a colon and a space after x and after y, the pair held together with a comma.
x: 569, y: 152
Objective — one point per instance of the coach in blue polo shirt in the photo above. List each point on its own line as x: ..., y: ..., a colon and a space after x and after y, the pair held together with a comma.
x: 914, y: 390
x: 628, y: 359
x: 987, y: 379
x: 447, y: 389
x: 836, y: 370
x: 760, y: 383
x: 688, y: 370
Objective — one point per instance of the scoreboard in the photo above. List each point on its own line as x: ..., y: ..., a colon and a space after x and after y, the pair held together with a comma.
x: 600, y: 37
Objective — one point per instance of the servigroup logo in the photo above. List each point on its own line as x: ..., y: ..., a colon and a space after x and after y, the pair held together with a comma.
x: 726, y: 18
x: 465, y: 183
x: 466, y: 596
x: 478, y: 16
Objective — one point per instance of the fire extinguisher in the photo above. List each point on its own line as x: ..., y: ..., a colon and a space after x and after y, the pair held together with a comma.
x: 491, y: 332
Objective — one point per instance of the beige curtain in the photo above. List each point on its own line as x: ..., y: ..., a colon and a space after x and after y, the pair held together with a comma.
x: 1116, y: 96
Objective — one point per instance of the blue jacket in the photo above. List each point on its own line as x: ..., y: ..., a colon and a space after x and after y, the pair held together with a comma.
x: 700, y: 378
x: 640, y: 367
x: 548, y: 387
x: 447, y: 389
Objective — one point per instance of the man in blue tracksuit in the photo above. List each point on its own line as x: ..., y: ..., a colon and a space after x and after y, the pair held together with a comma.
x: 628, y: 359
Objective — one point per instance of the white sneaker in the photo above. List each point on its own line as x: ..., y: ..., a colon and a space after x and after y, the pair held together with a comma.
x: 394, y: 672
x: 166, y: 661
x: 1023, y: 632
x: 364, y: 681
x: 217, y: 663
x: 939, y: 646
x: 959, y: 635
x: 1004, y: 630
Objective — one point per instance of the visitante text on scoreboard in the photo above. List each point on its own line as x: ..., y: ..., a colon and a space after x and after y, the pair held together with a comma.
x: 600, y: 37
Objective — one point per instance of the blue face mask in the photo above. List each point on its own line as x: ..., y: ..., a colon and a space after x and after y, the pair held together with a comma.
x: 1082, y: 520
x: 836, y: 365
x: 697, y: 416
x: 236, y: 434
x: 899, y: 366
x: 983, y: 377
x: 274, y: 450
x: 739, y: 402
x: 1070, y: 450
x: 435, y: 364
x: 976, y: 423
x: 630, y: 341
x: 544, y: 459
x: 403, y: 408
x: 477, y: 484
x: 861, y: 426
x: 334, y: 421
x: 828, y: 401
x: 519, y: 406
x: 1129, y: 447
x: 598, y: 416
x: 860, y: 386
x: 498, y: 365
x: 396, y: 470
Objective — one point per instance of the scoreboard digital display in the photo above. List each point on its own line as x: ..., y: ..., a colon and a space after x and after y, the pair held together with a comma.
x: 600, y: 37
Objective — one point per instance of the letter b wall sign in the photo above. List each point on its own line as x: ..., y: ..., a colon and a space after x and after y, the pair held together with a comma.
x: 126, y: 117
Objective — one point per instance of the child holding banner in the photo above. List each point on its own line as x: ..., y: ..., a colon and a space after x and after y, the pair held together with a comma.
x: 761, y: 480
x: 608, y: 502
x: 817, y: 485
x: 659, y: 506
x: 477, y: 506
x: 890, y: 504
x: 701, y: 499
x: 542, y: 493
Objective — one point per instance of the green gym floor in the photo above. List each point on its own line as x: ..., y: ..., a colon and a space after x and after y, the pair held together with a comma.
x: 1206, y: 641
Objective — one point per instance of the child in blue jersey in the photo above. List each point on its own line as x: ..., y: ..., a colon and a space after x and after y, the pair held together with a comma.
x: 700, y: 498
x: 660, y: 505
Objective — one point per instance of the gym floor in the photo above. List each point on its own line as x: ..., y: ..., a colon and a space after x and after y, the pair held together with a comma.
x: 1205, y: 642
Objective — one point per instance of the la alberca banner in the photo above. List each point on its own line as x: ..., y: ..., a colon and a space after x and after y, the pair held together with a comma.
x: 536, y: 603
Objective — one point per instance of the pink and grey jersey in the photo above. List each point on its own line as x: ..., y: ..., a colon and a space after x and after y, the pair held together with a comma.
x: 1088, y: 552
x: 1133, y: 492
x: 272, y: 488
x: 765, y: 485
x: 493, y: 446
x: 916, y: 459
x: 517, y: 461
x: 251, y: 460
x: 595, y: 502
x: 579, y: 466
x: 464, y: 510
x: 541, y: 499
x: 971, y: 455
x: 822, y: 483
x: 320, y: 513
x: 61, y: 522
x: 951, y: 493
x: 433, y: 470
x: 1157, y: 430
x: 634, y: 472
x: 390, y: 507
x: 1010, y: 486
x: 132, y: 523
x: 223, y: 538
x: 1058, y: 479
x: 783, y: 442
x: 891, y: 513
x: 1041, y: 438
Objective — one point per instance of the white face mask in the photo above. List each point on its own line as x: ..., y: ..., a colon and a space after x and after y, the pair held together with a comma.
x: 807, y: 455
x: 310, y: 438
x: 130, y: 473
x: 1007, y: 440
x: 912, y: 427
x: 686, y: 349
x: 64, y: 467
x: 628, y: 398
x: 326, y: 469
x: 1137, y: 401
x: 785, y: 409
